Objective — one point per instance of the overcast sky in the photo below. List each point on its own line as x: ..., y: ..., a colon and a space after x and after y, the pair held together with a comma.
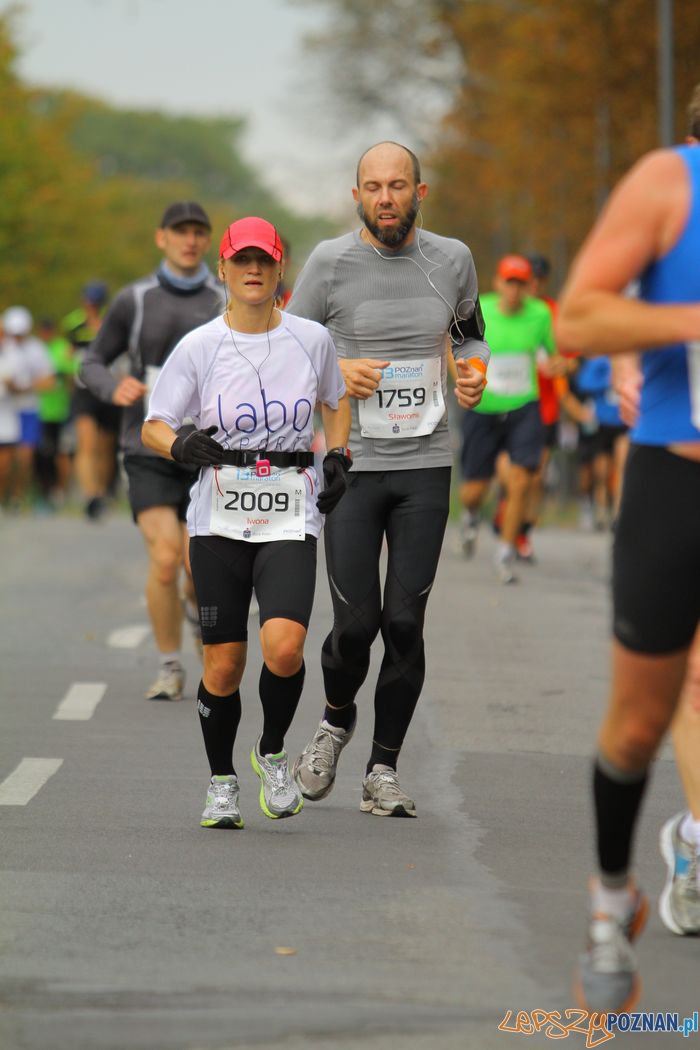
x: 213, y: 57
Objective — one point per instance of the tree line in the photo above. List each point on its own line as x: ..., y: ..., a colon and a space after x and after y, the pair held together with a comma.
x: 83, y: 186
x: 526, y: 112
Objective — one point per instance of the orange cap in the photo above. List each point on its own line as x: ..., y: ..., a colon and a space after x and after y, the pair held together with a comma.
x: 514, y: 268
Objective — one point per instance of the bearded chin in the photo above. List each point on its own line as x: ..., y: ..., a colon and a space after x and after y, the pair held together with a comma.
x: 396, y: 237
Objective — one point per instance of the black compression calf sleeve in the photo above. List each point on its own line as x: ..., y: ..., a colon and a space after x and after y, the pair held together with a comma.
x: 219, y: 717
x: 279, y: 698
x: 617, y: 796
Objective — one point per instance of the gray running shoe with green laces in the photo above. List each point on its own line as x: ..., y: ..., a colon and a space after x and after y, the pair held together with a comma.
x: 279, y: 795
x: 316, y: 767
x: 607, y: 978
x: 382, y: 794
x: 679, y: 903
x: 221, y: 810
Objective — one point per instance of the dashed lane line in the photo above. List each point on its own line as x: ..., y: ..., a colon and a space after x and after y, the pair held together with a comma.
x: 128, y: 637
x: 79, y: 703
x: 27, y: 779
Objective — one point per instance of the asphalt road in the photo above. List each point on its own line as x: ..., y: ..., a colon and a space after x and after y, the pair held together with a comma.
x: 125, y: 926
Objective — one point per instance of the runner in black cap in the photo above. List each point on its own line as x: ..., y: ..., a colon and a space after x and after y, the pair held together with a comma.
x: 146, y: 320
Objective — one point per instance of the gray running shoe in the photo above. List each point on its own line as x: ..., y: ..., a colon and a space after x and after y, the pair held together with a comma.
x: 607, y: 978
x: 221, y: 810
x: 679, y: 903
x: 317, y: 765
x: 504, y: 568
x: 468, y: 531
x: 169, y: 683
x: 279, y: 795
x: 382, y: 794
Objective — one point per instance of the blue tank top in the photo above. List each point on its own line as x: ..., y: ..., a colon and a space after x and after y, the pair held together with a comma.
x: 665, y: 410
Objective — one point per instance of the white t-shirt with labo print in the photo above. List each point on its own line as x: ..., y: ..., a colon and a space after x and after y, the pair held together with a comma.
x: 259, y: 391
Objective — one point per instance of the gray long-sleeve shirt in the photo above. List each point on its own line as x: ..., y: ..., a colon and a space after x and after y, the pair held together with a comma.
x: 398, y: 306
x: 146, y: 320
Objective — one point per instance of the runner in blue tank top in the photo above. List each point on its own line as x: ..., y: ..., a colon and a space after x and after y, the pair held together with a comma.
x: 650, y: 227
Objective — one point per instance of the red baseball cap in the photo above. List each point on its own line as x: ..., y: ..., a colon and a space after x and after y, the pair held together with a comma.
x: 251, y: 233
x: 514, y: 268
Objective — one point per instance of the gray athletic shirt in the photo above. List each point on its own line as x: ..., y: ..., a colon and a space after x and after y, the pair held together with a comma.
x: 387, y: 308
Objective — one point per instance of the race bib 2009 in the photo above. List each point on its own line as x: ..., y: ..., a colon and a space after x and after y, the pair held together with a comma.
x: 258, y: 507
x: 408, y: 401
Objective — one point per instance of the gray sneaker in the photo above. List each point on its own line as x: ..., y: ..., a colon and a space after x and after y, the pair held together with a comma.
x: 679, y: 903
x: 317, y: 765
x: 169, y: 683
x: 504, y: 568
x: 468, y: 532
x: 221, y: 810
x: 279, y: 795
x: 607, y: 977
x: 382, y: 794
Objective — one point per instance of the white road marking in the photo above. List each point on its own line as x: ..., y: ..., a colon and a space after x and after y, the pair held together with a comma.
x: 27, y: 779
x: 80, y: 701
x: 128, y: 637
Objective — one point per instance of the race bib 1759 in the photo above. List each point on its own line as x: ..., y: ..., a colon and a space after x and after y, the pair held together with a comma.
x: 408, y: 401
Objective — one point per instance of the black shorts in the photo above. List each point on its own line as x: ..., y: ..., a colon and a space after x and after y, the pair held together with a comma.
x: 600, y: 443
x: 484, y: 434
x: 225, y: 572
x: 656, y: 553
x: 156, y: 482
x: 106, y: 416
x: 551, y: 435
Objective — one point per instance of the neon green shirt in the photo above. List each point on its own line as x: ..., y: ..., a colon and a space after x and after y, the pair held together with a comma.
x: 54, y: 404
x: 514, y: 340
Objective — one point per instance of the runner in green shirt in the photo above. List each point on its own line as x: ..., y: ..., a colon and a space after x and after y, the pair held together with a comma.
x: 508, y: 418
x: 54, y: 453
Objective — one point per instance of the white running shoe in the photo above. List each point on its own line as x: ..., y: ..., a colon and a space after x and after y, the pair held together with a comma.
x: 279, y: 794
x: 169, y: 683
x: 221, y: 810
x: 679, y: 903
x: 504, y: 568
x: 607, y: 978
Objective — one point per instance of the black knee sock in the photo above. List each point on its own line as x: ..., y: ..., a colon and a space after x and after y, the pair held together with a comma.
x: 279, y: 698
x: 219, y: 717
x: 617, y: 796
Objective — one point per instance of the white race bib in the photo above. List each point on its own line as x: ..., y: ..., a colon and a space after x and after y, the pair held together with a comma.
x: 694, y: 381
x: 152, y: 373
x: 256, y: 507
x: 510, y: 375
x: 408, y: 401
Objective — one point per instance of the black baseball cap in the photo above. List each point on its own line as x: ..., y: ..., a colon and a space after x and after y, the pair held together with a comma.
x: 540, y: 265
x: 184, y: 211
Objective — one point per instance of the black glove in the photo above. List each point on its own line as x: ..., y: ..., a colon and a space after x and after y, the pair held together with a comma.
x: 198, y: 448
x: 335, y: 467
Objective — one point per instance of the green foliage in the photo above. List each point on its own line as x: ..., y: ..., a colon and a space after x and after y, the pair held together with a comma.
x: 83, y: 187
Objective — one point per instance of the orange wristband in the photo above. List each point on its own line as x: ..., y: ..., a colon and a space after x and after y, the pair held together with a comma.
x: 479, y: 365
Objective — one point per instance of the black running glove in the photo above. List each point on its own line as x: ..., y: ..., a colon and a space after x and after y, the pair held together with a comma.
x: 197, y: 448
x: 335, y: 467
